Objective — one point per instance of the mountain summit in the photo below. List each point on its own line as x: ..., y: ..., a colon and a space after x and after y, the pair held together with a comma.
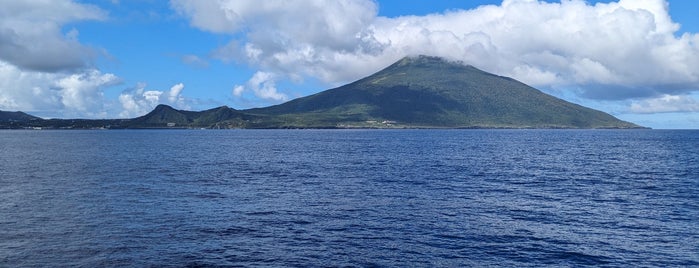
x: 426, y: 91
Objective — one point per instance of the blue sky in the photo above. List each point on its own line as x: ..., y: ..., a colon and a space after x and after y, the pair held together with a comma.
x: 635, y: 59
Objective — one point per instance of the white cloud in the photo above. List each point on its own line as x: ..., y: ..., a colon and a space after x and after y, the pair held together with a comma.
x: 27, y: 91
x: 281, y: 34
x: 152, y: 96
x: 139, y: 101
x: 54, y: 94
x: 83, y: 91
x: 263, y: 85
x: 238, y: 90
x: 31, y: 37
x: 666, y: 104
x: 608, y: 49
x: 174, y: 94
x: 43, y: 70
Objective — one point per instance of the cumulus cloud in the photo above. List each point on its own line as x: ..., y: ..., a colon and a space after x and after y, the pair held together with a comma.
x: 618, y: 50
x: 21, y: 91
x: 238, y: 90
x: 174, y: 93
x: 138, y: 101
x: 83, y: 91
x: 666, y: 104
x: 263, y: 85
x: 79, y: 94
x: 46, y: 71
x: 31, y: 37
x: 282, y: 38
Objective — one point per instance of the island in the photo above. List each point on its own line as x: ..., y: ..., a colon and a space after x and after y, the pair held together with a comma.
x: 414, y: 92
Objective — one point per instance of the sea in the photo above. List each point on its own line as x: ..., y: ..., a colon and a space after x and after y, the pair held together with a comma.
x: 349, y: 198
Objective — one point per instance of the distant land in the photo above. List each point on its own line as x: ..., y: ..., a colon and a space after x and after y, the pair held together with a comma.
x: 415, y: 92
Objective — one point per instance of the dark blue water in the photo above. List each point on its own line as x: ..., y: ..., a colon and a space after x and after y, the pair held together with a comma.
x: 349, y: 198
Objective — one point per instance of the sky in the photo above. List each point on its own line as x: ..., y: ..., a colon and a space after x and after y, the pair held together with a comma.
x: 635, y: 59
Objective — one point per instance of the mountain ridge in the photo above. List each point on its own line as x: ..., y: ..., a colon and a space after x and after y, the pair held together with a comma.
x: 414, y: 92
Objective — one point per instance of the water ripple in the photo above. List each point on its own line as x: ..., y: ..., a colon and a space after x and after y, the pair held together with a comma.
x: 523, y: 198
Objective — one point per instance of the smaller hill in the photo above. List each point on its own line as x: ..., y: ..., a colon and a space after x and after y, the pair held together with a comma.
x: 18, y: 120
x: 16, y: 116
x: 164, y: 116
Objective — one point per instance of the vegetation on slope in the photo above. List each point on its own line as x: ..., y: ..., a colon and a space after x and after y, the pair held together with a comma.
x: 432, y: 92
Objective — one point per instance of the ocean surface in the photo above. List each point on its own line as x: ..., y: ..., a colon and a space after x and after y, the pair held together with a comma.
x: 364, y: 198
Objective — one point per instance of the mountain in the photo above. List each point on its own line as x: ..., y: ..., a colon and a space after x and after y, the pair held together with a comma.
x: 15, y: 119
x: 16, y: 116
x: 430, y: 92
x: 415, y: 92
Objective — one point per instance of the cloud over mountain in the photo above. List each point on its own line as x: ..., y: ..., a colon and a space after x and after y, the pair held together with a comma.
x: 607, y: 51
x: 139, y: 100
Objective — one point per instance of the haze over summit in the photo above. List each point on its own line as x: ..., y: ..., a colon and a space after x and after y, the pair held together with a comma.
x: 636, y: 60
